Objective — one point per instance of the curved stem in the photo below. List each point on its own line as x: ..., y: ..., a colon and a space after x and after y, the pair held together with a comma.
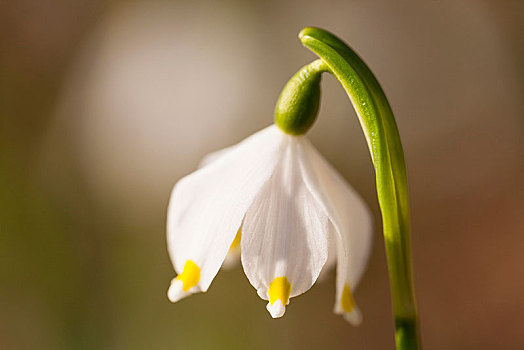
x: 380, y: 129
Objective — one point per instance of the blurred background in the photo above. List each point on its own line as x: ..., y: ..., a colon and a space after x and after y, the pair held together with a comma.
x: 104, y: 105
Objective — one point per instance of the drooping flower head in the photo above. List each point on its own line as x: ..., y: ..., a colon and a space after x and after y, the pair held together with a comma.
x: 292, y: 215
x: 276, y: 202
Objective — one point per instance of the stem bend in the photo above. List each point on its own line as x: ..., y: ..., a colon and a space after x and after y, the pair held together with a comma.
x: 380, y: 129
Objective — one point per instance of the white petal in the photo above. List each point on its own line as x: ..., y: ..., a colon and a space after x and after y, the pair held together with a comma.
x: 211, y: 157
x: 352, y: 218
x: 207, y: 207
x: 332, y: 255
x: 277, y: 309
x: 176, y: 290
x: 284, y: 235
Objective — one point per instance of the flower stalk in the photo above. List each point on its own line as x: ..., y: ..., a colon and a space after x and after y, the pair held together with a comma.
x: 381, y: 133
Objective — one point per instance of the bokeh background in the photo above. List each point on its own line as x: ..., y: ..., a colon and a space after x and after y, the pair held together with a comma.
x: 105, y: 104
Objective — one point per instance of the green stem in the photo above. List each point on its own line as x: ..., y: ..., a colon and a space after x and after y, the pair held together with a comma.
x: 380, y: 129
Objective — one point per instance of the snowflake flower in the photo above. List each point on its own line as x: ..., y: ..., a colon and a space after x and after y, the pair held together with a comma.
x: 276, y: 202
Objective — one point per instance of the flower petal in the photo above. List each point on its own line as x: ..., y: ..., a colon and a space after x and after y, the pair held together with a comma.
x: 211, y: 157
x: 207, y: 207
x: 352, y: 218
x: 332, y: 254
x: 284, y: 235
x: 233, y: 255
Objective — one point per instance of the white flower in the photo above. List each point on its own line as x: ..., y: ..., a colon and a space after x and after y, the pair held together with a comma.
x: 291, y: 212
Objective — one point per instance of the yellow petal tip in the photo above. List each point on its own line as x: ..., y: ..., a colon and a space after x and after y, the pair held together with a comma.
x: 279, y: 289
x: 190, y: 276
x: 236, y: 242
x: 346, y: 301
x: 350, y: 310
